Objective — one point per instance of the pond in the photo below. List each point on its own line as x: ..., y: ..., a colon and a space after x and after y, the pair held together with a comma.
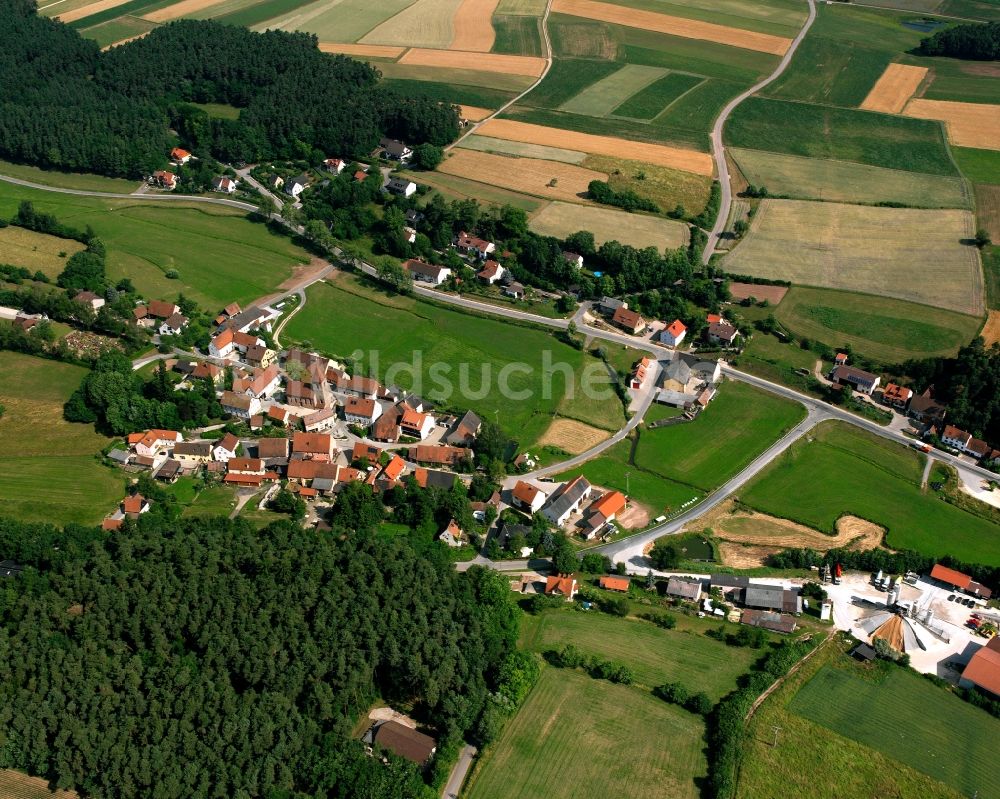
x: 922, y: 25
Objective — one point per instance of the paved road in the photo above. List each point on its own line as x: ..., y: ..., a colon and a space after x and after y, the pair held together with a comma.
x: 719, y: 149
x: 454, y: 785
x: 251, y: 180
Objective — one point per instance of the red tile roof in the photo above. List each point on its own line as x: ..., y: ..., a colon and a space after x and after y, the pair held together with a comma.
x: 984, y: 668
x: 229, y: 442
x: 560, y: 585
x: 611, y: 503
x: 950, y: 576
x: 312, y: 443
x: 394, y: 468
x: 133, y: 503
x: 615, y: 583
x: 676, y: 327
x: 525, y: 493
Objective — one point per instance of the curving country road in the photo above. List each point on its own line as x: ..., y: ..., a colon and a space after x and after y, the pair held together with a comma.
x: 719, y: 149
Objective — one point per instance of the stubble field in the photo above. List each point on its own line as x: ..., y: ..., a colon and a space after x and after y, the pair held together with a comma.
x: 552, y: 179
x: 968, y: 124
x: 640, y: 230
x: 894, y: 88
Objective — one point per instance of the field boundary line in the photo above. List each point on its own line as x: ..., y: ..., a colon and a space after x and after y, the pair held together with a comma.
x: 781, y: 680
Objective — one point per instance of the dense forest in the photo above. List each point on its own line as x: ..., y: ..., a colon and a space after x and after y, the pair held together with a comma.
x: 200, y: 658
x: 64, y: 104
x: 976, y: 42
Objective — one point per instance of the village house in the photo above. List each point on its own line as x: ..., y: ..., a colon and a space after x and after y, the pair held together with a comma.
x: 440, y: 455
x: 362, y: 412
x: 320, y: 420
x: 192, y: 454
x: 404, y: 742
x: 858, y: 379
x: 977, y: 448
x: 313, y: 445
x: 279, y: 416
x: 452, y: 535
x: 566, y: 501
x: 955, y: 438
x: 259, y: 355
x: 426, y: 273
x: 722, y: 333
x: 772, y: 597
x: 386, y: 427
x: 252, y: 318
x: 896, y: 396
x: 164, y: 179
x: 360, y: 386
x: 271, y: 449
x: 150, y: 443
x: 415, y: 424
x: 609, y: 583
x: 609, y: 505
x: 491, y: 272
x: 608, y: 305
x: 673, y: 334
x: 527, y: 497
x: 226, y: 448
x: 401, y: 187
x: 394, y: 468
x: 515, y: 290
x: 640, y: 372
x: 222, y: 345
x: 242, y: 406
x: 629, y: 321
x: 209, y: 371
x: 465, y: 430
x: 179, y: 156
x: 395, y: 150
x: 296, y: 186
x: 89, y: 298
x: 768, y: 620
x: 687, y: 590
x: 335, y: 165
x: 225, y: 184
x: 409, y: 235
x: 173, y: 325
x: 260, y: 383
x: 473, y: 246
x: 302, y: 395
x: 573, y: 259
x: 561, y: 585
x: 134, y: 505
x: 925, y: 409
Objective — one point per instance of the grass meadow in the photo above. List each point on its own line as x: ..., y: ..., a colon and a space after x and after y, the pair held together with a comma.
x: 841, y: 469
x: 844, y: 181
x: 68, y: 180
x: 48, y: 470
x: 887, y: 330
x: 739, y: 424
x: 346, y: 21
x: 601, y: 98
x: 908, y: 719
x: 348, y: 316
x: 907, y: 253
x: 653, y: 100
x: 979, y: 166
x: 38, y: 252
x: 517, y: 35
x: 220, y: 255
x: 808, y: 754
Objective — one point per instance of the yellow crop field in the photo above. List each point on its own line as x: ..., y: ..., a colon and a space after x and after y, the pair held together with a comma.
x: 891, y: 91
x: 968, y: 124
x: 553, y: 179
x: 608, y: 224
x: 427, y: 23
x: 528, y: 66
x: 474, y: 26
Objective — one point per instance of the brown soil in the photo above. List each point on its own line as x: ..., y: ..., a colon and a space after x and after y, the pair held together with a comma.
x: 371, y: 50
x: 474, y: 113
x: 991, y: 330
x: 179, y: 10
x: 773, y: 294
x: 891, y: 91
x: 635, y: 517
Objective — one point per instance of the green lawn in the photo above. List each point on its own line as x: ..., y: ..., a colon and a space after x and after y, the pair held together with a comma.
x: 577, y: 737
x: 783, y: 751
x: 48, y: 469
x: 817, y: 131
x: 739, y: 424
x: 979, y: 166
x: 612, y: 470
x: 217, y: 500
x: 907, y: 718
x: 444, y: 355
x: 882, y: 328
x: 220, y: 255
x: 840, y: 469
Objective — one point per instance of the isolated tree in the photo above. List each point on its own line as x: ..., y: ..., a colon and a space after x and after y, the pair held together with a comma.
x: 664, y: 556
x: 982, y: 238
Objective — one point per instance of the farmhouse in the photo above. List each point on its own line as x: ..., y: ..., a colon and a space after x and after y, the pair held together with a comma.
x: 89, y: 298
x: 896, y: 396
x: 687, y: 590
x: 528, y: 497
x: 273, y: 450
x: 226, y: 449
x: 225, y: 184
x: 629, y: 321
x: 252, y: 318
x: 395, y: 150
x: 192, y: 454
x: 962, y: 582
x: 133, y: 505
x: 673, y: 334
x: 491, y: 272
x: 426, y: 273
x: 404, y: 742
x: 954, y: 437
x: 924, y: 408
x: 401, y: 186
x: 301, y: 395
x: 415, y: 424
x: 429, y: 478
x: 561, y: 585
x: 473, y: 246
x: 858, y: 379
x: 313, y: 444
x: 566, y: 501
x: 452, y: 535
x: 608, y: 305
x: 151, y: 442
x: 515, y: 290
x: 609, y: 506
x: 772, y: 597
x: 983, y: 670
x: 615, y: 583
x: 386, y: 427
x: 242, y: 406
x: 440, y: 455
x: 361, y: 411
x: 573, y: 259
x: 768, y: 620
x: 179, y: 156
x: 465, y: 430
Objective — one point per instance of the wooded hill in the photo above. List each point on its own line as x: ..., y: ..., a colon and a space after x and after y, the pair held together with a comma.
x: 66, y: 105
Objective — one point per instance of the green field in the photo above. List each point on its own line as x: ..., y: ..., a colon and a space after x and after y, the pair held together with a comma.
x: 561, y: 219
x: 517, y: 35
x: 36, y: 251
x: 907, y: 718
x: 651, y: 101
x: 842, y: 134
x: 841, y: 469
x: 601, y: 98
x: 217, y: 500
x: 910, y: 254
x: 804, y: 749
x: 260, y: 12
x: 68, y: 180
x: 118, y: 30
x: 345, y: 21
x: 612, y: 470
x: 979, y: 166
x: 220, y: 256
x: 845, y: 181
x: 954, y: 79
x: 739, y: 424
x: 347, y: 316
x: 493, y: 81
x: 48, y: 469
x: 576, y: 736
x: 890, y: 331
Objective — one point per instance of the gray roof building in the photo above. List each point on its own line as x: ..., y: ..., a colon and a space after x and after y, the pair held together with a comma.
x: 684, y: 589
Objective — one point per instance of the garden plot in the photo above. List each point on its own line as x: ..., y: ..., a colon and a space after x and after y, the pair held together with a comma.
x: 601, y: 98
x: 911, y: 254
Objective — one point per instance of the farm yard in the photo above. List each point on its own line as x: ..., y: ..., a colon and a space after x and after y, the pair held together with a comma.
x: 840, y: 469
x: 888, y: 330
x: 910, y: 254
x: 805, y: 753
x: 561, y: 219
x: 218, y: 254
x: 48, y: 467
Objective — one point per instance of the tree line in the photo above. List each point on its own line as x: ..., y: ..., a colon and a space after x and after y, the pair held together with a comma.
x: 66, y: 105
x: 975, y: 42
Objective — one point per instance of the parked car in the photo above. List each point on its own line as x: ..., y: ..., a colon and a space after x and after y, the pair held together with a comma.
x: 951, y: 597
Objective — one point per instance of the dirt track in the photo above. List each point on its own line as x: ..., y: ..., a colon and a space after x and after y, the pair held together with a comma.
x: 891, y: 91
x: 675, y: 26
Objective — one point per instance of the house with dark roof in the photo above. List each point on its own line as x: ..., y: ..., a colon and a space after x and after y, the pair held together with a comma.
x: 924, y: 408
x: 608, y: 305
x: 629, y: 321
x: 465, y: 430
x: 395, y: 150
x: 688, y: 590
x: 566, y: 501
x: 426, y: 273
x: 858, y: 379
x: 723, y: 333
x: 768, y: 620
x: 404, y: 742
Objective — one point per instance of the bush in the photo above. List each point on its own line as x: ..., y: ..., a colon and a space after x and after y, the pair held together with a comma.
x: 601, y: 192
x: 699, y: 703
x: 664, y: 556
x: 672, y: 692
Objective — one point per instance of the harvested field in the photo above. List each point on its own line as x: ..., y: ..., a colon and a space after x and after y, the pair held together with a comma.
x: 664, y: 186
x: 493, y: 145
x: 473, y: 26
x: 427, y: 23
x: 891, y: 91
x: 337, y: 20
x: 16, y: 785
x: 991, y: 330
x: 482, y: 62
x: 664, y: 155
x: 474, y: 113
x: 552, y: 179
x: 847, y: 181
x: 988, y: 209
x: 371, y: 50
x: 92, y: 8
x: 911, y: 254
x: 773, y: 294
x: 601, y: 98
x: 968, y: 124
x: 639, y: 230
x: 572, y: 436
x: 675, y: 26
x: 745, y: 538
x: 181, y: 9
